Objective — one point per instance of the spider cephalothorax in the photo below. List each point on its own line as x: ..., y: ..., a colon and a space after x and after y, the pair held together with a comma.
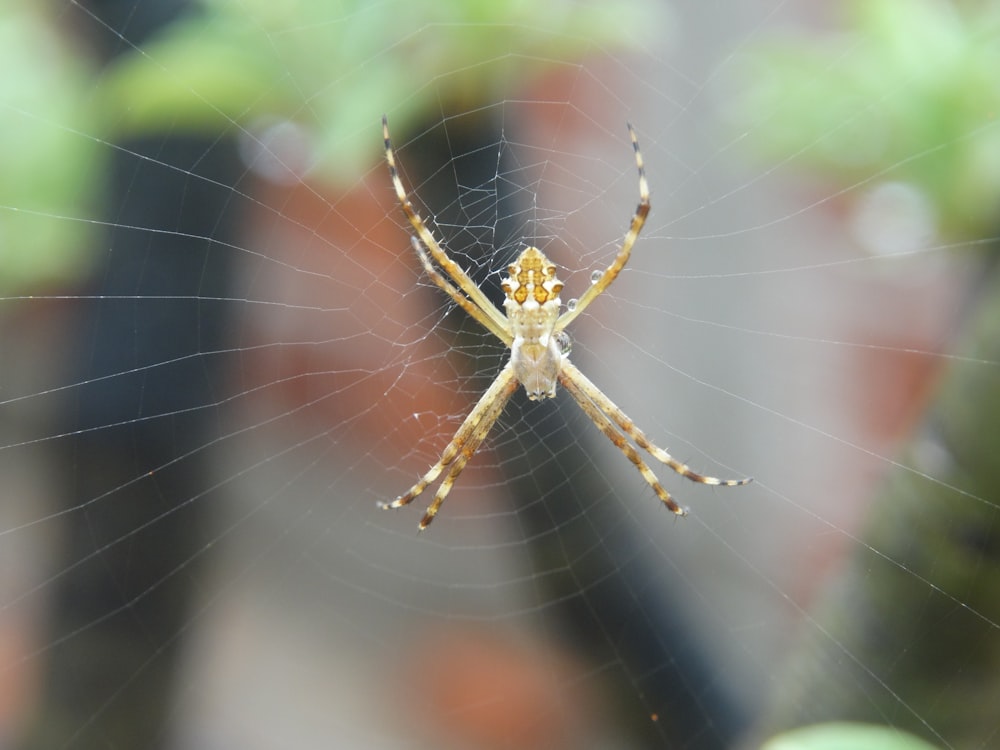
x: 533, y: 327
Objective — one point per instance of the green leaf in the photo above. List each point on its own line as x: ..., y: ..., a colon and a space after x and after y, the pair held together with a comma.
x: 334, y: 67
x: 52, y: 172
x: 908, y: 89
x: 846, y: 736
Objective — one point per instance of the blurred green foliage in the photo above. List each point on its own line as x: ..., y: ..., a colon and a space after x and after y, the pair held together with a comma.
x: 909, y: 90
x: 331, y: 66
x: 50, y: 167
x: 335, y: 67
x: 846, y: 736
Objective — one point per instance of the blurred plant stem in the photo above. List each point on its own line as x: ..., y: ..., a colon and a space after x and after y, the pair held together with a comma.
x: 909, y: 632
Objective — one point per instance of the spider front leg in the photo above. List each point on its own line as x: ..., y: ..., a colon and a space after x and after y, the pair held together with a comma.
x: 635, y: 226
x: 460, y: 299
x: 450, y: 267
x: 463, y: 445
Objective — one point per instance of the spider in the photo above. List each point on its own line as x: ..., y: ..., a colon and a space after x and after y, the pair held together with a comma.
x: 532, y: 327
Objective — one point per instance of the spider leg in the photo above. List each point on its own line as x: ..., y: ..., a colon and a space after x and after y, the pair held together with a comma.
x: 568, y: 378
x: 463, y: 445
x: 612, y: 271
x: 479, y: 433
x: 471, y: 446
x: 594, y: 394
x: 452, y: 291
x: 449, y: 266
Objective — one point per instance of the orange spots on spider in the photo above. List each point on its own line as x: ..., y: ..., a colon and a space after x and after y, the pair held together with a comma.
x: 532, y: 273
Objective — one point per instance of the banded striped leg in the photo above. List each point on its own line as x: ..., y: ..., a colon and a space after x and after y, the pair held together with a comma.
x: 471, y: 446
x: 605, y: 425
x: 463, y: 445
x: 612, y: 271
x: 460, y: 299
x: 462, y: 279
x: 627, y: 426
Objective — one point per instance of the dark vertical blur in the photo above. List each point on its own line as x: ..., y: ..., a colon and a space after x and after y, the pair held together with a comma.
x: 133, y: 469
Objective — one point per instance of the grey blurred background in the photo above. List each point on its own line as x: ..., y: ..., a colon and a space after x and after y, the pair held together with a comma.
x: 221, y: 352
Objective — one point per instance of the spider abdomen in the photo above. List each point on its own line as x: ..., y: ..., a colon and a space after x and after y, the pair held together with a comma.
x: 536, y: 366
x: 532, y: 308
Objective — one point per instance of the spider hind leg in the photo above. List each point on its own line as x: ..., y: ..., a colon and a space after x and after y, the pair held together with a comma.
x: 606, y: 414
x: 605, y: 425
x: 463, y: 446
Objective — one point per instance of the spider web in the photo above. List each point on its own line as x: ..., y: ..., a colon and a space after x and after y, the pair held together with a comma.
x: 200, y: 418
